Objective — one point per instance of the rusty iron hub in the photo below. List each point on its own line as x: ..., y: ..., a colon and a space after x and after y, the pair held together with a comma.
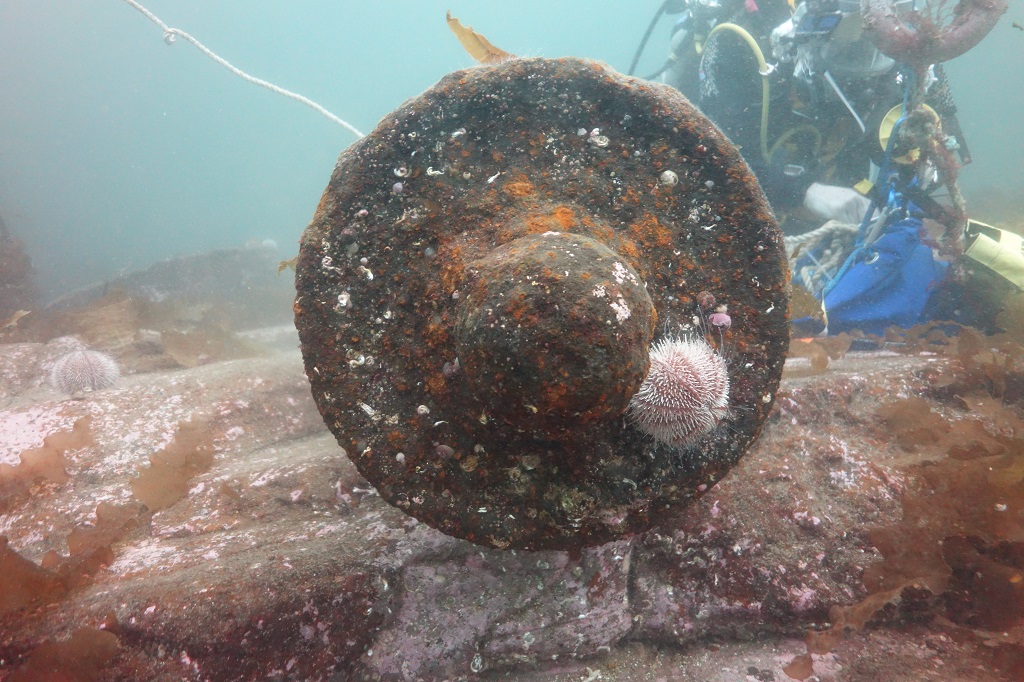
x: 484, y: 276
x: 538, y: 347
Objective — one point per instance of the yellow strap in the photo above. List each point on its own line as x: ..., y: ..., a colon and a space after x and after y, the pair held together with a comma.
x: 864, y: 187
x: 1005, y: 256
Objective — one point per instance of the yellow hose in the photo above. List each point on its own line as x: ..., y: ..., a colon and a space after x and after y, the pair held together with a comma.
x: 802, y: 128
x: 762, y: 69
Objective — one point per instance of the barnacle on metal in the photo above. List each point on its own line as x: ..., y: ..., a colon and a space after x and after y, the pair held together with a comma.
x: 520, y: 277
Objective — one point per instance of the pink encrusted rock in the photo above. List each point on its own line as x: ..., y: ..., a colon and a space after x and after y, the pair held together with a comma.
x: 26, y: 367
x: 282, y: 562
x: 474, y: 610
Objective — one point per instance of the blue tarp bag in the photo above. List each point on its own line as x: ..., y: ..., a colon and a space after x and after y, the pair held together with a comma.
x: 887, y: 285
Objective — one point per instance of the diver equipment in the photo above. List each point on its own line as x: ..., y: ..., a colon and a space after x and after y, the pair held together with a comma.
x: 943, y: 99
x: 764, y: 69
x: 846, y: 102
x: 826, y: 35
x: 795, y: 131
x: 999, y: 250
x: 953, y: 134
x: 825, y: 42
x: 667, y: 7
x: 890, y: 270
x: 789, y: 43
x: 885, y: 132
x: 817, y: 24
x: 887, y: 285
x: 882, y: 271
x: 847, y: 53
x: 818, y: 29
x: 888, y: 273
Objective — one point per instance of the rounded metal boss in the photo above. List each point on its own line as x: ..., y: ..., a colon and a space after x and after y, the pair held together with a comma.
x: 482, y: 283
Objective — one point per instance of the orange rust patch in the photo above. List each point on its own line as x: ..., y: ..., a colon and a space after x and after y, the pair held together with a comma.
x: 324, y: 198
x: 517, y: 308
x: 435, y: 334
x: 565, y: 217
x: 561, y: 219
x: 538, y: 224
x: 630, y: 197
x: 627, y: 249
x: 452, y: 275
x: 738, y: 175
x: 453, y: 271
x: 649, y: 232
x: 435, y: 384
x: 601, y: 233
x: 507, y: 233
x: 555, y: 395
x: 520, y: 187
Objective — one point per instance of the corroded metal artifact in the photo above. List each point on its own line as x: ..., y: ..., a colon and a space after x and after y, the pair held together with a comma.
x: 918, y: 38
x: 481, y: 285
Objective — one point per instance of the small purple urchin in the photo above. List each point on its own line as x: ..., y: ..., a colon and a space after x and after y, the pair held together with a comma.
x: 84, y: 370
x: 685, y: 394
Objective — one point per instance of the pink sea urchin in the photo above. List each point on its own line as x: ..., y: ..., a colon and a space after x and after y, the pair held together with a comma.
x: 84, y: 370
x: 685, y: 394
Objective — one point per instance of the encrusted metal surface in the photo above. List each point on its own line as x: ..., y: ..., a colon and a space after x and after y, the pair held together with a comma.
x: 482, y: 279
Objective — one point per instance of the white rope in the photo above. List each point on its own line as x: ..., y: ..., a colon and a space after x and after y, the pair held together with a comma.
x: 171, y: 33
x: 832, y: 227
x: 843, y: 238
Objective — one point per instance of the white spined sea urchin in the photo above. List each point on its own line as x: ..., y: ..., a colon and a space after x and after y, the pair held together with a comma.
x: 685, y: 394
x: 84, y: 370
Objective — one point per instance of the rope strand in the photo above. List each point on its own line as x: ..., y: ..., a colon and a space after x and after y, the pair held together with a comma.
x: 171, y: 33
x: 838, y: 241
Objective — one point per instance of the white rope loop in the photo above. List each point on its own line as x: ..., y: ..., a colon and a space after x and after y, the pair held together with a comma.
x: 171, y: 33
x: 840, y: 238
